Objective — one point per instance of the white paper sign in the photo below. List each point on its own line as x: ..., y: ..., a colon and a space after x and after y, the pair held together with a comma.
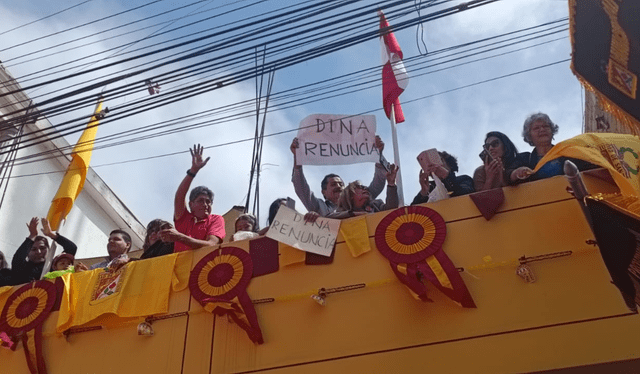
x: 333, y: 139
x: 289, y: 227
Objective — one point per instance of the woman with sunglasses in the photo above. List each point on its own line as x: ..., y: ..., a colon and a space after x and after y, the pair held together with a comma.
x: 153, y: 244
x: 499, y: 154
x: 355, y: 199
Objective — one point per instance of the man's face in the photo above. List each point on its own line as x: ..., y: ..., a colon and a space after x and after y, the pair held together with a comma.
x: 201, y: 206
x: 117, y: 245
x: 38, y: 252
x: 335, y: 185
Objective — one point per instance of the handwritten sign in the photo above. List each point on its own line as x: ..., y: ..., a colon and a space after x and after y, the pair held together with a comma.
x: 289, y: 227
x: 333, y: 139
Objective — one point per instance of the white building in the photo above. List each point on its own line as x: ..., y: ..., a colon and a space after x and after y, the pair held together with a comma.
x: 96, y: 211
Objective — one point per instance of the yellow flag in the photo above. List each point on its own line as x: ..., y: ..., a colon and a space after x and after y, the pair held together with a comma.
x: 356, y: 235
x: 616, y: 152
x: 73, y: 180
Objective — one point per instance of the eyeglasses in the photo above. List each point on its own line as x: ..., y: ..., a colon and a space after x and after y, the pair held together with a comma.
x: 361, y: 187
x: 537, y: 128
x: 494, y: 144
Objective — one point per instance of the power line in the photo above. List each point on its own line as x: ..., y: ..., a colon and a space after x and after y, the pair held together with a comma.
x: 45, y: 17
x: 410, y: 64
x: 296, y: 129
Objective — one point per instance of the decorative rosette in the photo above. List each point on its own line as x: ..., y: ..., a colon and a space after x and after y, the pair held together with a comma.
x: 219, y: 283
x: 23, y: 315
x: 411, y: 238
x: 410, y: 234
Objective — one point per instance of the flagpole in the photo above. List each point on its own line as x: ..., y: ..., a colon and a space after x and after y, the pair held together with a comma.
x: 396, y: 155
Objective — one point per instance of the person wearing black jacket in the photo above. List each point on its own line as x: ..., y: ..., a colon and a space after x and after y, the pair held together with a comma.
x: 28, y: 261
x: 455, y: 185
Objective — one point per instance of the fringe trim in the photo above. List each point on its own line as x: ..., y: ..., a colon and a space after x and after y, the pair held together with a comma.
x: 626, y: 120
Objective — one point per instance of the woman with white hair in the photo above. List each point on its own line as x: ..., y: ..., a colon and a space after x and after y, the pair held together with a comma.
x: 538, y: 130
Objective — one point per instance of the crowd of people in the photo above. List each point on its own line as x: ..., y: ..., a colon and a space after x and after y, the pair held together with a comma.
x: 196, y: 227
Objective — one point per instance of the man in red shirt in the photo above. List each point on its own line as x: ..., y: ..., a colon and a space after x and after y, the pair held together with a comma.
x: 195, y: 227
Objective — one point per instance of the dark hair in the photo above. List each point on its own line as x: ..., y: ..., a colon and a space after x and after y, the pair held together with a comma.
x: 43, y: 239
x: 325, y: 180
x: 273, y: 209
x: 249, y: 218
x: 510, y: 150
x: 200, y: 190
x: 125, y: 235
x: 3, y: 261
x: 152, y: 227
x: 451, y: 161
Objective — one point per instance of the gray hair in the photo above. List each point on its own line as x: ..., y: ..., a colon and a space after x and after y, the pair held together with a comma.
x: 526, y: 129
x: 200, y: 190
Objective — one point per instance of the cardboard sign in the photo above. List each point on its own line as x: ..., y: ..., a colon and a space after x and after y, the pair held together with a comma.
x: 332, y: 139
x: 289, y: 227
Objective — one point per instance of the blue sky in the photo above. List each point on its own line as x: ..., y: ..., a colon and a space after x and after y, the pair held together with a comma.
x: 455, y: 121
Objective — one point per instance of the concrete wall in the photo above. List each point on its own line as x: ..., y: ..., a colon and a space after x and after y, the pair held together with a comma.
x: 96, y: 211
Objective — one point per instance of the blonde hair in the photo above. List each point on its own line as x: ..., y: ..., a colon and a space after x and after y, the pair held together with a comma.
x: 345, y: 201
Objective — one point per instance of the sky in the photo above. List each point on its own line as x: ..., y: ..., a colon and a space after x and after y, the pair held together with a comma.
x: 449, y: 109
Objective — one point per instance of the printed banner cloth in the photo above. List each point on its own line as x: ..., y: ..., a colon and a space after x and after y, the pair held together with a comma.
x: 606, y: 53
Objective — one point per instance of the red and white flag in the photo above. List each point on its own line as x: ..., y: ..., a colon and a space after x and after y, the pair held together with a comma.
x: 394, y: 75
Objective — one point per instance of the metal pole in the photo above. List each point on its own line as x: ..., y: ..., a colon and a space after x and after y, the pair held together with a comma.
x: 396, y: 155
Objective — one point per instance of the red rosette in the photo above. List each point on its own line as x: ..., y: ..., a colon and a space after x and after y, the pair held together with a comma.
x: 28, y: 307
x: 222, y: 274
x: 410, y: 234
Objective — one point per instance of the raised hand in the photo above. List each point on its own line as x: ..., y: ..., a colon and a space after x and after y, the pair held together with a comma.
x: 294, y: 145
x: 197, y: 162
x: 46, y: 229
x: 33, y: 227
x: 379, y: 144
x: 391, y: 175
x: 423, y: 178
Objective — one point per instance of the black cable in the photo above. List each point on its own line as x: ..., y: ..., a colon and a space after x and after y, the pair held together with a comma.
x: 405, y: 102
x: 45, y: 17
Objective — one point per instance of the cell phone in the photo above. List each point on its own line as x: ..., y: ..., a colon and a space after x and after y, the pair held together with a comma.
x: 429, y: 157
x: 385, y: 164
x: 483, y: 155
x: 291, y: 204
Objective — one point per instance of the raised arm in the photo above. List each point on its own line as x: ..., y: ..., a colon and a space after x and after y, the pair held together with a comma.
x: 392, y: 200
x: 300, y: 185
x: 197, y: 163
x: 379, y: 176
x: 67, y: 245
x: 20, y: 257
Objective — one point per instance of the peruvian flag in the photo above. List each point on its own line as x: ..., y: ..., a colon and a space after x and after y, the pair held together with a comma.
x: 394, y: 75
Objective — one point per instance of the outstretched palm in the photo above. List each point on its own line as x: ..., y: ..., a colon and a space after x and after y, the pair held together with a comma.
x: 197, y: 162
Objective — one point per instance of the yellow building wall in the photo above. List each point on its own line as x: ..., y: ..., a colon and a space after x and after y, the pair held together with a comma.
x: 572, y: 315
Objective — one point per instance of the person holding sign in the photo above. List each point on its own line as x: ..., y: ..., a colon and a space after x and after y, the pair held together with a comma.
x: 195, y: 227
x: 445, y: 170
x: 355, y: 199
x: 332, y: 185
